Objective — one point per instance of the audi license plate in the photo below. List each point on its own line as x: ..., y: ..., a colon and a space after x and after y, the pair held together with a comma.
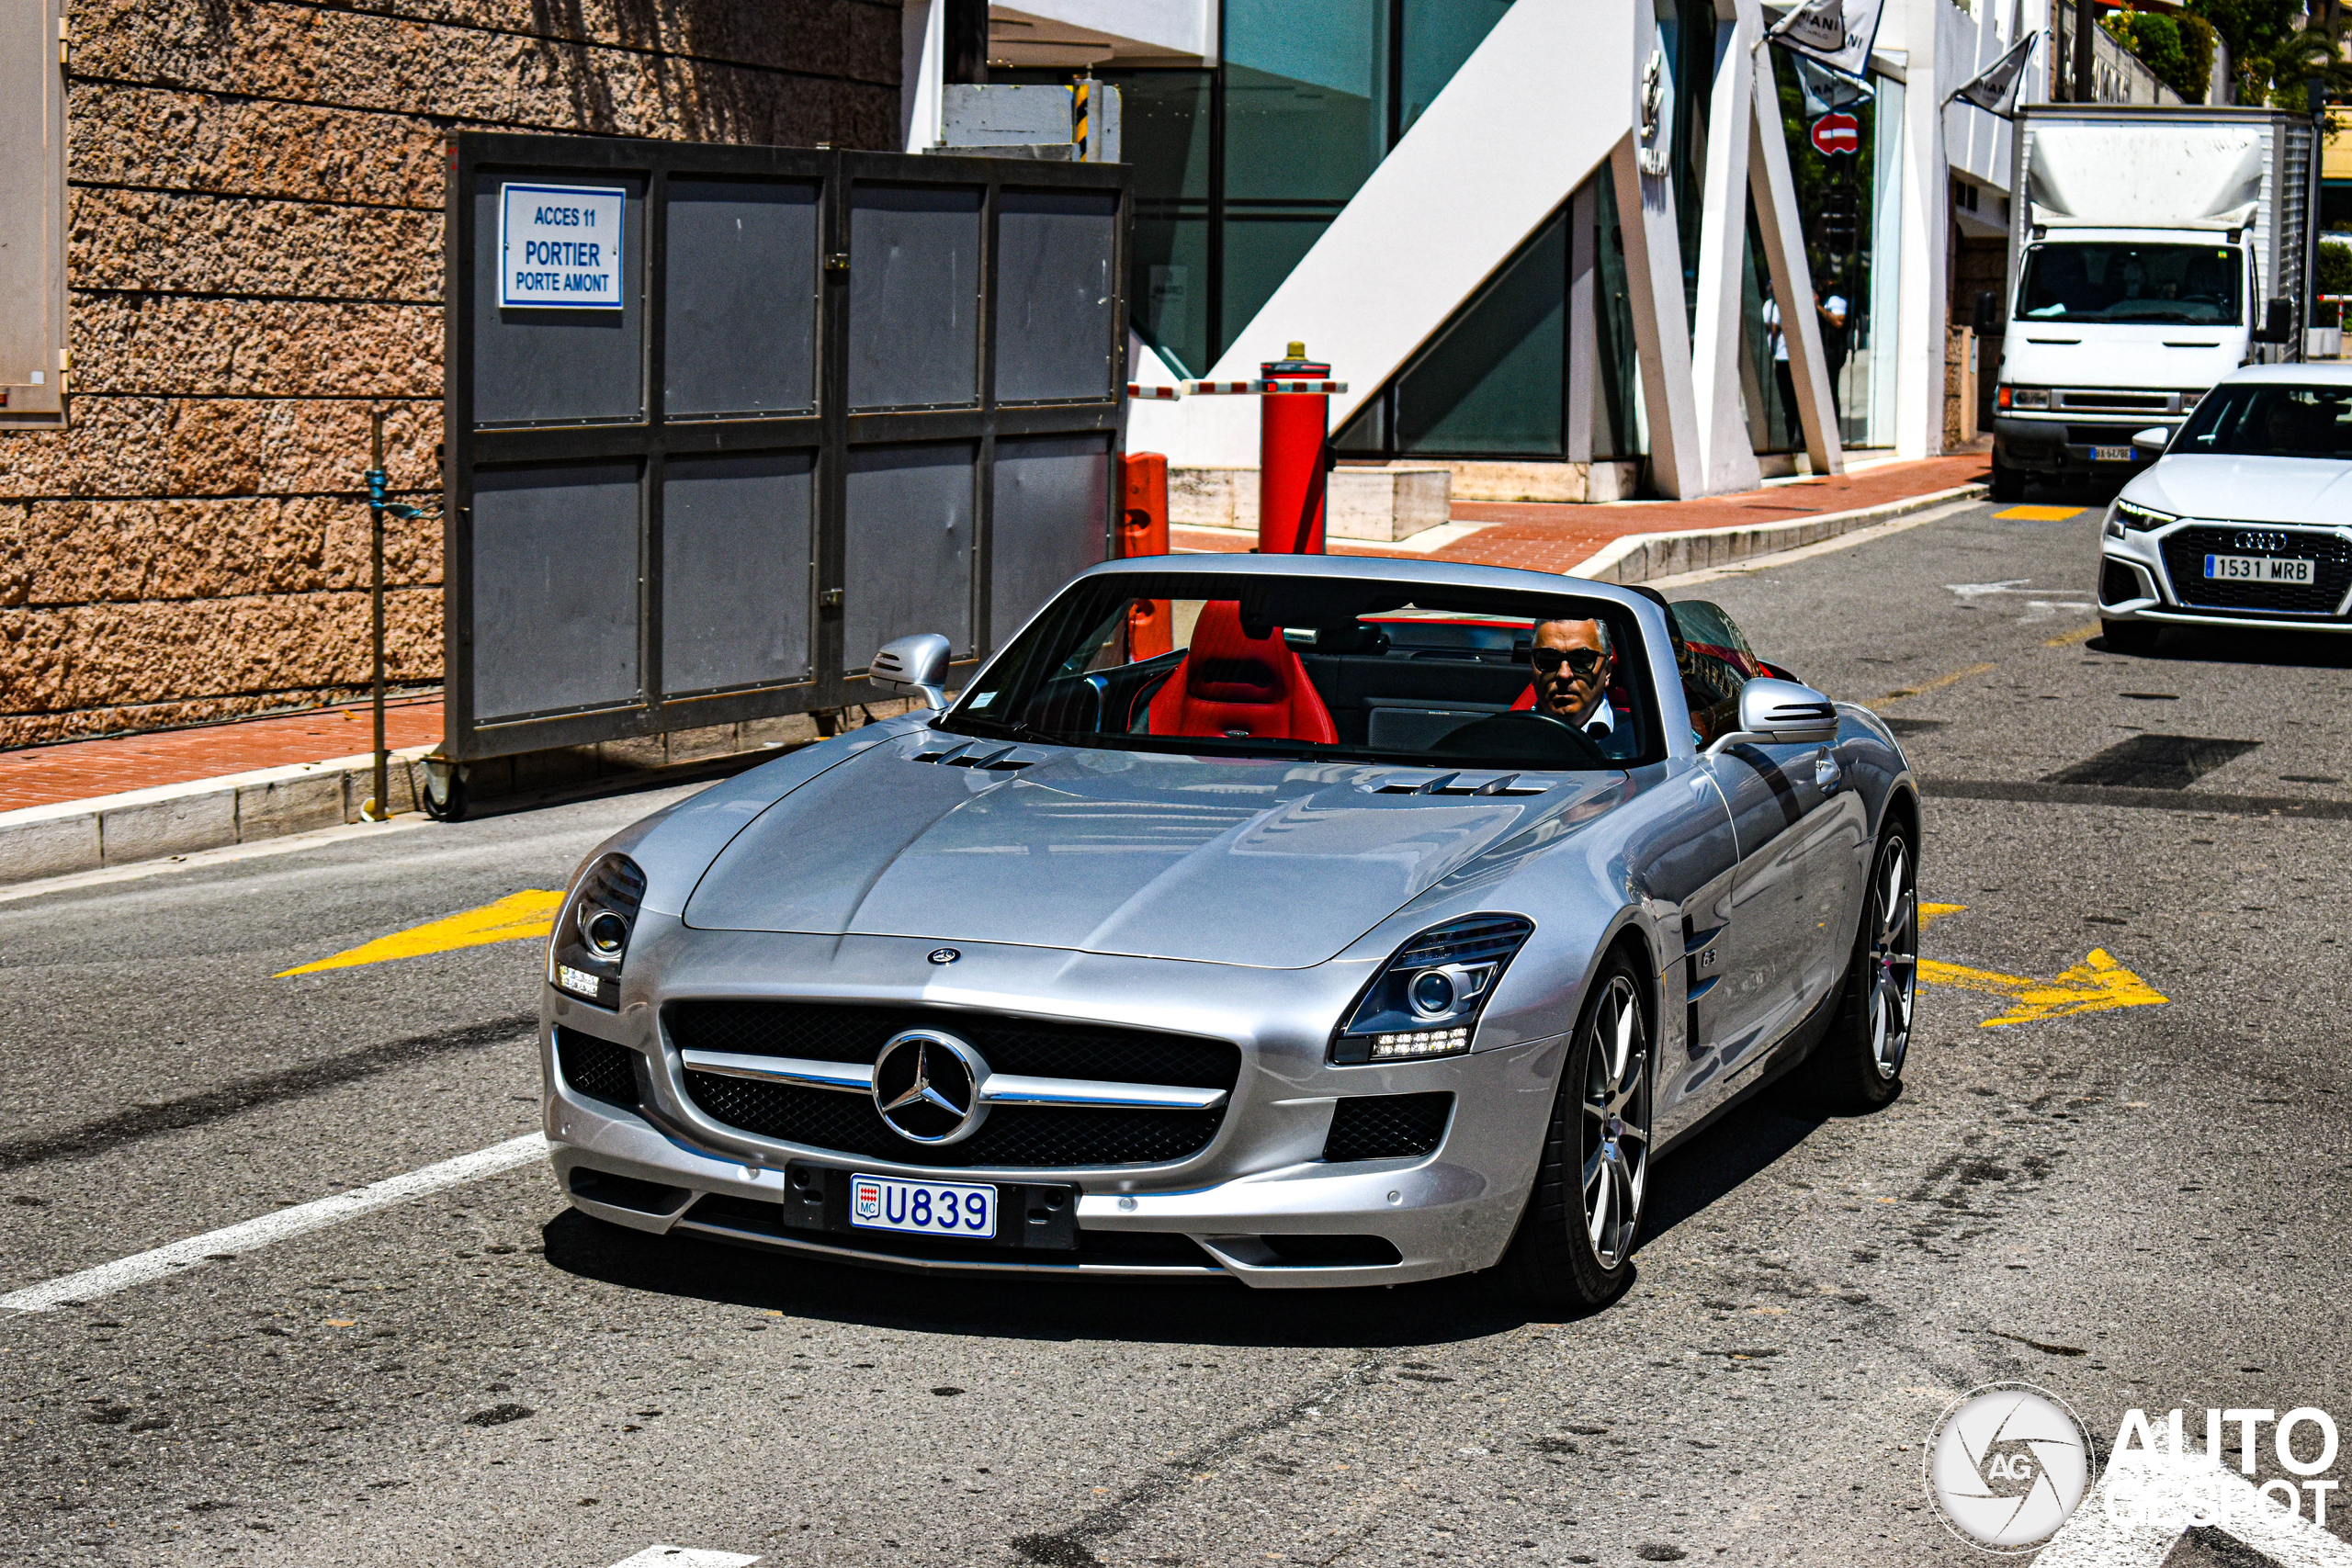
x: 921, y: 1208
x: 2112, y: 454
x: 2258, y: 569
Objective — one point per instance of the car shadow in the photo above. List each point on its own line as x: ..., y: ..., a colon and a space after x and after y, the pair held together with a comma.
x: 1181, y: 1311
x: 1745, y: 1141
x: 2224, y: 645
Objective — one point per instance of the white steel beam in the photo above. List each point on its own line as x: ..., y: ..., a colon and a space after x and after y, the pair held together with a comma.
x: 1728, y: 455
x: 1661, y: 331
x: 1781, y: 228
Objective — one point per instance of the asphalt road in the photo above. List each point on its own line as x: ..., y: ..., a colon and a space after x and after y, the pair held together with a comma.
x: 2136, y: 1207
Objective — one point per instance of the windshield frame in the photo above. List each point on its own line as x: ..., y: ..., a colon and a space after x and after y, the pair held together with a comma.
x: 1006, y: 678
x: 2042, y: 250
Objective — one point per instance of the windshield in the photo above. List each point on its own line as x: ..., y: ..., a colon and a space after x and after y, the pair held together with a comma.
x: 2271, y: 419
x: 2094, y: 282
x: 1228, y: 665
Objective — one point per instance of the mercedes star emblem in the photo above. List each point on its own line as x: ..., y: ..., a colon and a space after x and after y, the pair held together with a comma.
x: 927, y: 1087
x: 945, y: 955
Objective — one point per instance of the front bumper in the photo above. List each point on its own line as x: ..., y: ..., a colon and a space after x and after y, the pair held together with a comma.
x: 2066, y: 445
x: 2137, y: 583
x: 664, y: 1166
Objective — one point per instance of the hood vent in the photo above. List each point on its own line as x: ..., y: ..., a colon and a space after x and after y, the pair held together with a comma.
x: 971, y: 754
x: 1454, y: 784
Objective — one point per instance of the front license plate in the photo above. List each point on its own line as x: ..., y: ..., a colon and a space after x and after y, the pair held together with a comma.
x: 2258, y: 569
x: 2112, y: 454
x: 921, y: 1208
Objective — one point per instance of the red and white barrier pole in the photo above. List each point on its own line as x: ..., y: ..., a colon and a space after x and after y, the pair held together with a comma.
x: 1294, y: 454
x: 1143, y: 531
x: 1294, y: 447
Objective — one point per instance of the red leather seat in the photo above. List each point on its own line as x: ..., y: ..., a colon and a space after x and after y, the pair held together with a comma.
x: 1230, y: 682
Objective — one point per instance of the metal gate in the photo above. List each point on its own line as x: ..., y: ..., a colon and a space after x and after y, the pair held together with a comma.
x: 721, y: 421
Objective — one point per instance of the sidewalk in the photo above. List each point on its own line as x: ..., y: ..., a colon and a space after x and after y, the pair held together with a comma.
x: 1560, y: 537
x: 80, y: 769
x: 87, y: 804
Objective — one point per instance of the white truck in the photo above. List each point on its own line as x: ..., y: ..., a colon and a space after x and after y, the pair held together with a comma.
x: 2153, y: 250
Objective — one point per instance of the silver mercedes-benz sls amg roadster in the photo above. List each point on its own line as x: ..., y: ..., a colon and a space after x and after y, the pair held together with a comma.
x: 1312, y: 921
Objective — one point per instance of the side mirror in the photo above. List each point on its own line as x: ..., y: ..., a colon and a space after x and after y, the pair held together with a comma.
x: 1988, y: 313
x: 2151, y: 442
x: 1780, y: 713
x: 2277, y: 322
x: 919, y: 662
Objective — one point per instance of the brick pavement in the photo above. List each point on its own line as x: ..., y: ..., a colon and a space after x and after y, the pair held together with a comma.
x: 80, y: 769
x: 1553, y: 537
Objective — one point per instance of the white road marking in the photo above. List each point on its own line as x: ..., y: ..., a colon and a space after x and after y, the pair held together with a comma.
x: 685, y: 1557
x: 2095, y: 1539
x: 140, y: 1268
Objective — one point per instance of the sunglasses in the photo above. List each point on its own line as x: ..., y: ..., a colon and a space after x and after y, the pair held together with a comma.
x: 1582, y: 661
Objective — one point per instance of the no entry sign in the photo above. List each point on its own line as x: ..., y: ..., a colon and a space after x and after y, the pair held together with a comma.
x: 1839, y: 132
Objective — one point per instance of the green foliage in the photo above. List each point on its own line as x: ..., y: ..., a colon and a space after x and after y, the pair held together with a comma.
x: 2268, y: 56
x: 2332, y: 272
x: 2179, y: 49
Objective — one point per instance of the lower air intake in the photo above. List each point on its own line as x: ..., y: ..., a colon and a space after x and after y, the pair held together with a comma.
x: 1386, y: 1127
x: 596, y: 1069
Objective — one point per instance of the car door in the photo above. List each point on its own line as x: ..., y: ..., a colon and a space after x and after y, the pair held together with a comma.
x: 1782, y: 946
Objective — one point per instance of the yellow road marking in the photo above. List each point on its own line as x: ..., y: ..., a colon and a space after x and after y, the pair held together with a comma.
x: 1938, y: 684
x: 2095, y: 985
x: 2040, y: 513
x: 519, y: 915
x: 2080, y: 634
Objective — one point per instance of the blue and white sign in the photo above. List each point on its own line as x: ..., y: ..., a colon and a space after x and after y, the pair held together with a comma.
x: 560, y: 247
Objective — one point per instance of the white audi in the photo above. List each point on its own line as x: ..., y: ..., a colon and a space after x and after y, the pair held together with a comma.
x: 2246, y: 520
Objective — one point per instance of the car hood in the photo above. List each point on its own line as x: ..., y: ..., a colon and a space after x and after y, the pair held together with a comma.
x: 2248, y: 489
x: 1268, y: 864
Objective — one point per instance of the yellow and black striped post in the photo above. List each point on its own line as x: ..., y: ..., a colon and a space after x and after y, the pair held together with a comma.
x: 1080, y: 92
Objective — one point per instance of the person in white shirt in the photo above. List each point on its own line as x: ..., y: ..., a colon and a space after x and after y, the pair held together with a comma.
x: 1832, y: 311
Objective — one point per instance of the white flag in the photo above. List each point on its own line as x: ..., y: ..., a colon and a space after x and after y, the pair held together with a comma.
x: 1838, y: 33
x: 1995, y: 88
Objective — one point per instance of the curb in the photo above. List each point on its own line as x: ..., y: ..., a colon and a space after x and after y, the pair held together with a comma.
x: 71, y: 835
x: 1638, y: 558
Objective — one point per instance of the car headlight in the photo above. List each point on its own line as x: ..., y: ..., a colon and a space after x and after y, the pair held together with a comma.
x: 1426, y: 1000
x: 591, y: 936
x: 2140, y: 518
x: 2025, y: 397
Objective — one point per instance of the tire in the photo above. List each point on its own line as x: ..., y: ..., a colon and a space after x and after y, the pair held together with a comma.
x: 449, y: 807
x: 1858, y: 1066
x: 1566, y: 1258
x: 2128, y: 637
x: 2009, y: 484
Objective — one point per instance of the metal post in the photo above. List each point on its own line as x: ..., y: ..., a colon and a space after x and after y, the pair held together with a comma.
x: 380, y: 804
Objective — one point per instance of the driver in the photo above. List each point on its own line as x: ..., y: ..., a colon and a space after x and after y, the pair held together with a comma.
x: 1573, y: 666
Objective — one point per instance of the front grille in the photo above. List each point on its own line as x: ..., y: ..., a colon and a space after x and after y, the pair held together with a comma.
x: 2117, y: 435
x: 2118, y: 583
x: 2185, y: 554
x: 597, y: 1068
x: 1012, y: 1135
x: 1388, y: 1126
x: 833, y: 1031
x: 2117, y: 402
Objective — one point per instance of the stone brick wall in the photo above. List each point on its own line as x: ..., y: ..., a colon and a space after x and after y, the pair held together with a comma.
x: 254, y: 265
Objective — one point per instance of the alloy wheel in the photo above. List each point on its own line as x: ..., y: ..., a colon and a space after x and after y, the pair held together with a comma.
x: 1616, y: 1123
x: 1894, y: 958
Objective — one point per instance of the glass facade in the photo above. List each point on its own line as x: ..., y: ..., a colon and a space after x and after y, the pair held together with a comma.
x: 1240, y: 169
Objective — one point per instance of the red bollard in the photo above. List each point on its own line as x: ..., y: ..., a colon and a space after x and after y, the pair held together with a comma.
x: 1294, y: 454
x: 1143, y: 531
